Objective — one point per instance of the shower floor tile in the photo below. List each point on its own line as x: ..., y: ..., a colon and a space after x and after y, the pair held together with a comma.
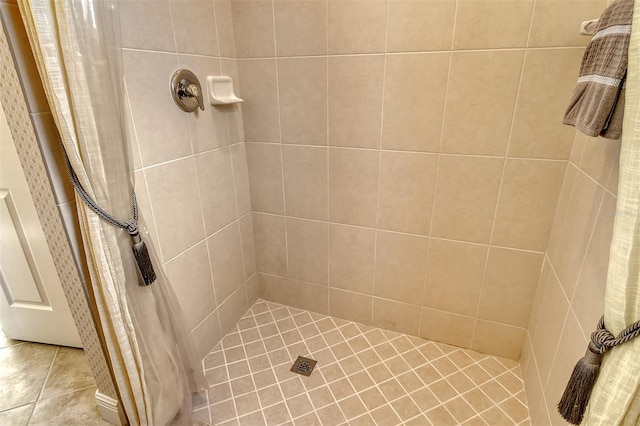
x: 364, y: 375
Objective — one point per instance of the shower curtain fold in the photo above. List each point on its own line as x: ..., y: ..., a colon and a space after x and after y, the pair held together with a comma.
x: 616, y: 396
x: 76, y: 46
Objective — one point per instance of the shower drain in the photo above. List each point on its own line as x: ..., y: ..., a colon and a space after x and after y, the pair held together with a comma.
x: 303, y: 366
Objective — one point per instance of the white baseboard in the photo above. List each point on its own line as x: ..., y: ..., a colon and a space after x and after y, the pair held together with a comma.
x: 110, y: 409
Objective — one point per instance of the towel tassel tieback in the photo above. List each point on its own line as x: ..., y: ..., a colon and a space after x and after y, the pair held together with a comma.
x: 139, y: 248
x: 578, y: 391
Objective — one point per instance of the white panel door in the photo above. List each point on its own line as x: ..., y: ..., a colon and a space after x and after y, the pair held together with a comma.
x: 32, y: 303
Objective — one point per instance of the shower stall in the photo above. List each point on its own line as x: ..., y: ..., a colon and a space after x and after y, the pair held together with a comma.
x: 396, y: 198
x: 399, y: 164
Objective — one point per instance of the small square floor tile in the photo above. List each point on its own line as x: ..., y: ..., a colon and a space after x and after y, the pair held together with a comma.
x: 405, y: 408
x: 277, y: 414
x: 352, y: 407
x: 372, y: 398
x: 364, y: 376
x: 299, y: 405
x: 331, y: 415
x: 385, y: 416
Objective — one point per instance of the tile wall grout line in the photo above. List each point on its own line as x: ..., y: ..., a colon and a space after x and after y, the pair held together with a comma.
x: 568, y: 301
x: 328, y: 159
x: 197, y: 154
x: 398, y: 302
x: 173, y: 32
x: 538, y: 379
x: 380, y: 137
x: 589, y: 177
x: 144, y: 176
x: 404, y: 151
x: 506, y: 158
x: 402, y: 53
x: 204, y: 240
x: 407, y: 234
x: 532, y: 333
x: 564, y: 219
x: 564, y: 323
x: 584, y: 257
x: 284, y: 197
x: 192, y: 157
x: 437, y: 172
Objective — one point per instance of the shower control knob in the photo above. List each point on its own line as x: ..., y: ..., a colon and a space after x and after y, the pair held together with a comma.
x: 186, y: 91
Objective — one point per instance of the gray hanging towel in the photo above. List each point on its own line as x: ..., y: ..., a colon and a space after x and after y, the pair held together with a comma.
x: 597, y: 105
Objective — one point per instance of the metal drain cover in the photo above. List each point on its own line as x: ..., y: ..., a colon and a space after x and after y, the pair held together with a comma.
x: 303, y: 366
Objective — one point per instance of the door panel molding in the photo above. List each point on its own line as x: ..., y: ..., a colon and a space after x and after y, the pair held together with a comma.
x: 11, y: 228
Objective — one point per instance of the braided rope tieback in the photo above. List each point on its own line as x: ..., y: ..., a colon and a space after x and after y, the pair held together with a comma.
x: 140, y: 252
x: 585, y: 374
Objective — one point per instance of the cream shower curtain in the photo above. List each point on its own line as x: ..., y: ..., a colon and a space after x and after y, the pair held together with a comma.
x: 616, y: 397
x: 153, y: 358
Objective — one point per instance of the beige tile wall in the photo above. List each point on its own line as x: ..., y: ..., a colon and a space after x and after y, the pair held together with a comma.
x: 191, y: 169
x: 405, y: 157
x: 570, y: 294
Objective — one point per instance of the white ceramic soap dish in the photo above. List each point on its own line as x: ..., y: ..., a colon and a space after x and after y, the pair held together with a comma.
x: 221, y: 91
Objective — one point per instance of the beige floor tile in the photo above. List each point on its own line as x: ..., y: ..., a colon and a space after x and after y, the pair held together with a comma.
x: 516, y: 410
x: 16, y: 416
x: 440, y: 416
x: 70, y: 371
x: 460, y: 382
x: 254, y: 419
x: 495, y: 416
x: 385, y: 415
x: 331, y: 415
x: 310, y: 419
x: 391, y: 390
x: 247, y: 404
x: 277, y: 414
x: 75, y: 408
x: 443, y: 390
x: 364, y: 376
x: 424, y: 399
x: 410, y: 381
x: 418, y: 421
x: 478, y: 400
x: 270, y: 396
x: 342, y: 389
x: 405, y: 408
x: 364, y: 420
x: 428, y: 374
x: 475, y: 421
x: 352, y: 407
x: 23, y: 369
x: 5, y: 341
x: 460, y: 409
x: 460, y: 358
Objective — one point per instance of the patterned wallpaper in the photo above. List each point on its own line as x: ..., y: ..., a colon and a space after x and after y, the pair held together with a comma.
x: 18, y: 117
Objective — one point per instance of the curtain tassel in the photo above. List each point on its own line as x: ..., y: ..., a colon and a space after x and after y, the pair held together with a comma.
x: 143, y: 260
x: 576, y: 396
x: 578, y: 391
